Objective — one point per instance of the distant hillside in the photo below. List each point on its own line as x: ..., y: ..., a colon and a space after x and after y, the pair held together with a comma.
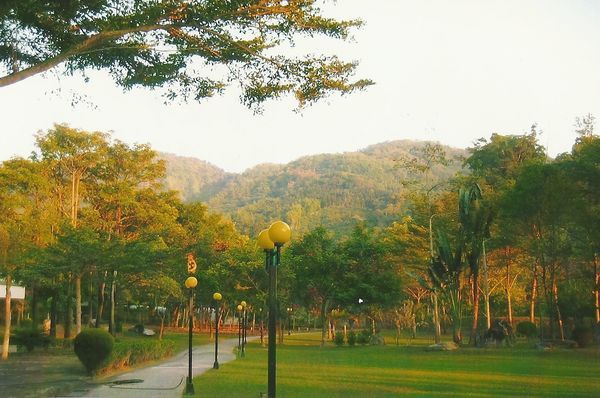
x: 195, y: 179
x: 329, y: 189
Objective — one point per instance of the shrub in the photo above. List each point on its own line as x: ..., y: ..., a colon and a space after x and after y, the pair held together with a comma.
x: 364, y: 337
x: 583, y: 335
x: 26, y: 323
x: 30, y: 338
x: 135, y: 351
x: 351, y: 338
x: 338, y: 339
x: 93, y: 347
x: 527, y: 329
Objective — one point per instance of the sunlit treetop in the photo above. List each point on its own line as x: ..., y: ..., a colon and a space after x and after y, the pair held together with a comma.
x: 191, y: 49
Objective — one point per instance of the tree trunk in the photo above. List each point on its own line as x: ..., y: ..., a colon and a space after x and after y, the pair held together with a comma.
x: 476, y: 297
x: 53, y: 314
x: 559, y: 319
x: 7, y: 319
x: 534, y: 291
x: 100, y: 301
x: 508, y: 288
x: 324, y: 326
x: 597, y: 288
x: 113, y: 287
x: 486, y: 290
x: 77, y: 304
x: 68, y: 312
x: 90, y: 300
x: 436, y: 318
x: 34, y: 313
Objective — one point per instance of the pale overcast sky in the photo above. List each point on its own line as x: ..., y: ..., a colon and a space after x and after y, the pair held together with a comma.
x: 448, y: 71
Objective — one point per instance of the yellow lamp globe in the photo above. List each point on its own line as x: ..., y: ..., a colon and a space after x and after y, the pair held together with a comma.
x: 191, y: 282
x: 217, y: 296
x: 264, y: 242
x: 239, y: 307
x: 280, y: 233
x: 243, y: 304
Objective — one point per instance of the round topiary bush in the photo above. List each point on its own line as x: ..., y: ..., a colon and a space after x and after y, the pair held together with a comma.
x: 92, y: 347
x: 583, y: 335
x: 527, y: 329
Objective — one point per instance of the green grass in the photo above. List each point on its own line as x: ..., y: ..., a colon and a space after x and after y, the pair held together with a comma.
x: 305, y: 370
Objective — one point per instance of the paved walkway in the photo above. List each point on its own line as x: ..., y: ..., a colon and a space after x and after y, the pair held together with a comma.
x: 166, y: 379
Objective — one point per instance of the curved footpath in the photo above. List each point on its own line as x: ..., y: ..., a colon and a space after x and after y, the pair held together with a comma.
x: 165, y: 379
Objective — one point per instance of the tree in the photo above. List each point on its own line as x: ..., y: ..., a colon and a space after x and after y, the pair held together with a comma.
x: 495, y: 165
x: 177, y: 44
x: 26, y: 218
x: 445, y: 274
x: 539, y: 202
x: 318, y: 271
x: 368, y: 275
x: 71, y: 155
x: 475, y: 218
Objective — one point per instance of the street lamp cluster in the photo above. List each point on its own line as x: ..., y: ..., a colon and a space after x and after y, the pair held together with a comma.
x: 271, y: 240
x: 242, y: 327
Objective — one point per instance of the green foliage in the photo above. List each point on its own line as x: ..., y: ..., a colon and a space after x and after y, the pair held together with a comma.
x: 30, y: 338
x: 351, y: 338
x: 364, y: 336
x: 583, y: 335
x: 93, y: 347
x: 131, y: 352
x: 338, y: 339
x: 527, y: 329
x: 127, y: 38
x: 335, y: 190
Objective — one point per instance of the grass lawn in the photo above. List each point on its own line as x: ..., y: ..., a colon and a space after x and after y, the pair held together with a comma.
x: 305, y: 370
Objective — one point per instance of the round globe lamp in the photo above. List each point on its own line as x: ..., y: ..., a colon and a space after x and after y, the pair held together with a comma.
x: 264, y: 242
x: 280, y: 233
x: 191, y: 282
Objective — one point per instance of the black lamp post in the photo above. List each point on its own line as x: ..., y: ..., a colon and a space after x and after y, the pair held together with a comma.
x: 191, y: 282
x: 289, y: 313
x: 243, y: 323
x: 271, y: 240
x: 217, y: 297
x: 239, y: 308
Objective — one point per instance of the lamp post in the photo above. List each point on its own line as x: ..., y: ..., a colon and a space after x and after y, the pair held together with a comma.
x: 191, y: 282
x: 217, y: 297
x: 239, y: 309
x: 244, y: 320
x: 271, y: 240
x: 289, y: 313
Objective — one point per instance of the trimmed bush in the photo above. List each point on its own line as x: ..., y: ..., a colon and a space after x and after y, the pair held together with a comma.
x: 135, y: 351
x: 583, y: 335
x: 527, y: 329
x: 30, y: 338
x: 93, y: 347
x: 338, y: 339
x: 351, y: 338
x: 364, y: 337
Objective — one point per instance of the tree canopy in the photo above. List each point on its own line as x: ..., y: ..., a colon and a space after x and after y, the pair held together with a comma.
x: 192, y: 49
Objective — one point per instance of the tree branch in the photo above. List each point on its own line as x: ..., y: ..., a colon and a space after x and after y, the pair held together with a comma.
x: 85, y: 46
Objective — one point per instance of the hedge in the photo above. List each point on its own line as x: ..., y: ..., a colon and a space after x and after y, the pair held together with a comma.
x: 132, y: 352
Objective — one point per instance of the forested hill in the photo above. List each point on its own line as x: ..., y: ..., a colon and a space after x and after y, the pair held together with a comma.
x: 335, y: 190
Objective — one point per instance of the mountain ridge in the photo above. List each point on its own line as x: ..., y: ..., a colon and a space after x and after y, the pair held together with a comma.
x: 328, y: 189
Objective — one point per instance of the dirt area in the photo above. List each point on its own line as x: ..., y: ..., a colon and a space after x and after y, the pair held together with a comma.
x: 41, y: 373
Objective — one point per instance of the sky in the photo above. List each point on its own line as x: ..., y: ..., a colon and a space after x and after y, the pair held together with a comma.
x: 445, y: 71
